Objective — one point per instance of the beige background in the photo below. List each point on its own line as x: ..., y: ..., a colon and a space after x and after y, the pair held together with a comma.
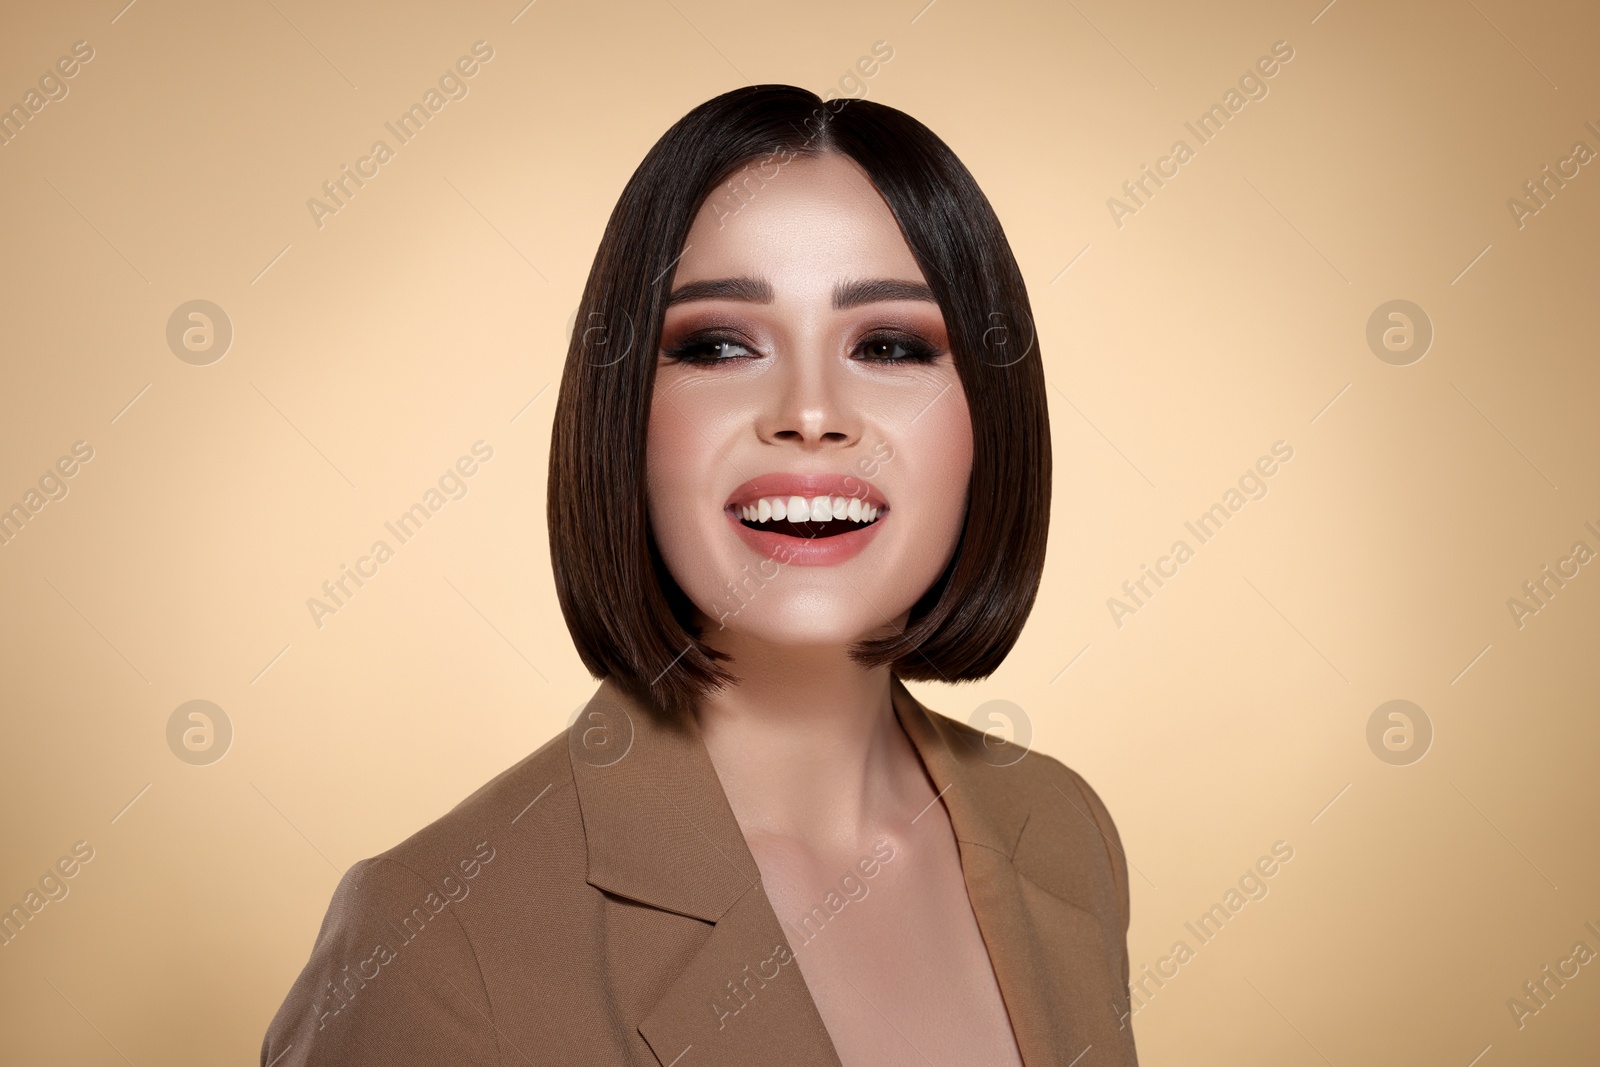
x: 1229, y: 713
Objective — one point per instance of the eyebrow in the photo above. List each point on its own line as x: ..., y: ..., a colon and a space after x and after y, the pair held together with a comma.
x: 846, y: 295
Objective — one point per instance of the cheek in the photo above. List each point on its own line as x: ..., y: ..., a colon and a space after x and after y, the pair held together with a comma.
x: 666, y: 451
x: 674, y: 463
x: 935, y: 454
x: 682, y: 465
x: 681, y: 439
x: 943, y: 435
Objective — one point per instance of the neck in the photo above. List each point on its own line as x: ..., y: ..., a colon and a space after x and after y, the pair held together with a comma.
x: 807, y: 745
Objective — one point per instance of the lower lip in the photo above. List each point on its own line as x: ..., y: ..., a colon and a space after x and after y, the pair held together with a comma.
x: 807, y: 551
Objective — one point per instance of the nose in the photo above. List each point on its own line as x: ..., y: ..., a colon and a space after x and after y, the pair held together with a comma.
x: 811, y: 403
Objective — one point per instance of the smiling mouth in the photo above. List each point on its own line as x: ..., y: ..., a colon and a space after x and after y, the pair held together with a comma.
x: 810, y: 518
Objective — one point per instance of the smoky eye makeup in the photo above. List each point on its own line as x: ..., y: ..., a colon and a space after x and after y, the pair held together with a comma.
x: 706, y: 347
x: 708, y: 340
x: 880, y: 346
x: 896, y: 347
x: 891, y: 340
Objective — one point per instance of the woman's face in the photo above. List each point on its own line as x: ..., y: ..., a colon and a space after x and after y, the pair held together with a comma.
x: 804, y: 372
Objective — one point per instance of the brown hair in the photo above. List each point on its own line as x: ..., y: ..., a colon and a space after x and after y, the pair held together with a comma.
x: 628, y: 617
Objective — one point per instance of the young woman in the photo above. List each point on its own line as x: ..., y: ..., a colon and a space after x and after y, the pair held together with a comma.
x: 801, y: 453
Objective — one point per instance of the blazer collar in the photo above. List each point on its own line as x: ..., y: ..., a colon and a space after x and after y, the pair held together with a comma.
x: 659, y: 826
x: 660, y: 832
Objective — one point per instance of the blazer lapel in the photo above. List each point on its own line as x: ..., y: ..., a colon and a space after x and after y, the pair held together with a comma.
x: 660, y: 832
x: 741, y: 999
x: 1052, y: 957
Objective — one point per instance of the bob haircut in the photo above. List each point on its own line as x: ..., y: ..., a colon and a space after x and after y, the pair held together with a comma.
x: 628, y: 617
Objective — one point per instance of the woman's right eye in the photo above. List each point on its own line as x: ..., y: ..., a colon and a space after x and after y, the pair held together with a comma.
x: 706, y: 350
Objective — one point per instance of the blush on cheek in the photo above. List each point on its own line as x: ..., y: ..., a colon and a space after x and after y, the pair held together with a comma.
x: 669, y: 457
x: 946, y: 443
x: 682, y: 464
x: 928, y: 474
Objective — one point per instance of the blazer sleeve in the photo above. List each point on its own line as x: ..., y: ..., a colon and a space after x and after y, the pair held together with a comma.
x: 392, y: 980
x: 1118, y: 860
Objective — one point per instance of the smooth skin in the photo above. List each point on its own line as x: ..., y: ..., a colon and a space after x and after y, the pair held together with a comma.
x: 814, y: 763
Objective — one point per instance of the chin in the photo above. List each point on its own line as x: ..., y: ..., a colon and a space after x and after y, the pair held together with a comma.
x: 804, y: 618
x: 746, y: 597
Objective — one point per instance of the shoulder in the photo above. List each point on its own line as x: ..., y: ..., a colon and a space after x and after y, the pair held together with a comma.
x: 1081, y: 818
x: 529, y: 806
x: 396, y: 973
x: 1084, y: 810
x: 1069, y: 843
x: 535, y: 792
x: 1070, y: 847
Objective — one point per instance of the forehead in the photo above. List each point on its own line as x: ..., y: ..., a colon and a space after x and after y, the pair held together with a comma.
x: 816, y: 219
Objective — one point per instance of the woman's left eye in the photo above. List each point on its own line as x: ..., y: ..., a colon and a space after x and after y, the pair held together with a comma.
x: 896, y: 350
x: 708, y: 349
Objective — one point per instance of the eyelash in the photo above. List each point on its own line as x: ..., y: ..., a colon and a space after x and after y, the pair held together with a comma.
x: 918, y: 350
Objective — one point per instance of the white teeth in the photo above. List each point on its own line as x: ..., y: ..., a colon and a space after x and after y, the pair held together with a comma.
x: 802, y: 509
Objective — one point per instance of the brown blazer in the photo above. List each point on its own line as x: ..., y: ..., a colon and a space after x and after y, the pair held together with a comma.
x: 597, y: 904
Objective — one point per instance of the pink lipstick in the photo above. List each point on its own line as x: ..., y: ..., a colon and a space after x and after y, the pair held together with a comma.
x: 809, y: 519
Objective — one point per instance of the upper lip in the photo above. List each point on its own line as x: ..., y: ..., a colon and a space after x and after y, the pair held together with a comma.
x: 808, y: 486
